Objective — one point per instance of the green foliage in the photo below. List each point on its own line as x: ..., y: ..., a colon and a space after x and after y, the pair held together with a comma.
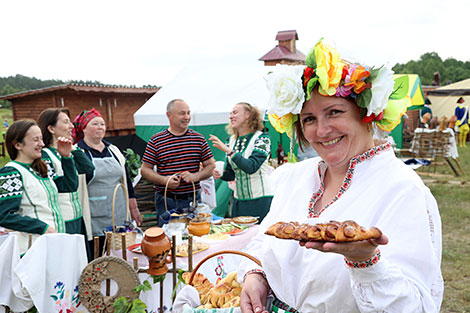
x: 133, y: 162
x: 145, y: 286
x: 180, y: 280
x: 122, y: 305
x: 450, y: 70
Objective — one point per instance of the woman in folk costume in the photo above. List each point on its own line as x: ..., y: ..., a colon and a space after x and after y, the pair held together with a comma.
x: 55, y: 123
x: 110, y: 170
x: 461, y: 112
x: 29, y: 198
x: 247, y: 161
x: 337, y: 106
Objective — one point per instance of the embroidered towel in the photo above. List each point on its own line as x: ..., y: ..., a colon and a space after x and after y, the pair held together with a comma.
x: 50, y: 271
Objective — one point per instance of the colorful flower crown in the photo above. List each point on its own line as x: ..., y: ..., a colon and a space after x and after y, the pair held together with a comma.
x: 369, y: 88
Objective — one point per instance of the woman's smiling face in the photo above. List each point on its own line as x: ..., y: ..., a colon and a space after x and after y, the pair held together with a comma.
x: 63, y: 127
x: 31, y: 147
x: 239, y: 116
x: 333, y: 127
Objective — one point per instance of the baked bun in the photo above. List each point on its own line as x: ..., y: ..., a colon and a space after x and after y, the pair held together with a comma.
x: 217, y: 296
x: 333, y: 231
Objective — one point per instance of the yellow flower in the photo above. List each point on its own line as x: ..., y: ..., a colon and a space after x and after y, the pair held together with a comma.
x: 283, y: 124
x: 392, y: 114
x: 329, y: 68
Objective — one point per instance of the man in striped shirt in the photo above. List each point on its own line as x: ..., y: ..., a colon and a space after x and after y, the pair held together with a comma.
x: 177, y: 153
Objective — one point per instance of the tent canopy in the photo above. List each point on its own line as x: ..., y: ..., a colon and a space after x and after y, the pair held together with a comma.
x: 409, y: 90
x: 211, y: 91
x: 444, y: 99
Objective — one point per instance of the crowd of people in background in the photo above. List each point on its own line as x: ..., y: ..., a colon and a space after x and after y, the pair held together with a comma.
x: 175, y: 160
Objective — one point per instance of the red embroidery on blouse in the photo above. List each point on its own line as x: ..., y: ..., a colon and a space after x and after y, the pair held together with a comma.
x: 347, y: 179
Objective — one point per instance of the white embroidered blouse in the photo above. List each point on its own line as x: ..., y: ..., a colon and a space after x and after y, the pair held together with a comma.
x: 378, y: 190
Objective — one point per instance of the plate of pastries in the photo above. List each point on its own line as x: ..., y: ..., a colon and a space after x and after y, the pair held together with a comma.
x: 333, y: 231
x: 224, y: 294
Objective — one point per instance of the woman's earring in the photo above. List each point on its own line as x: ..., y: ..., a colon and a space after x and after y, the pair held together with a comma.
x: 368, y: 127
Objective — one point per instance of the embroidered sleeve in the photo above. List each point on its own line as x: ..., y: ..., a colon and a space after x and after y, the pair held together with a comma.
x: 263, y: 145
x: 11, y: 193
x: 251, y: 164
x: 50, y: 166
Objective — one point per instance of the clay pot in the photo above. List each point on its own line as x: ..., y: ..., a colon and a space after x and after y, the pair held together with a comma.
x: 199, y: 228
x: 156, y: 246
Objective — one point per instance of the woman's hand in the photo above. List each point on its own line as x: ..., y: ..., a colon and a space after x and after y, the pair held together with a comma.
x: 135, y: 213
x: 216, y: 174
x: 354, y: 251
x: 64, y: 147
x: 254, y: 293
x: 216, y: 142
x: 50, y: 230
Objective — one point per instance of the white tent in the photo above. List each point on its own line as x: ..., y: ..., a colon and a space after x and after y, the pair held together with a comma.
x: 211, y: 91
x: 444, y: 99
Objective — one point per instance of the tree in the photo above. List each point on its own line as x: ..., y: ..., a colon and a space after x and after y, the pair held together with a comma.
x: 450, y: 70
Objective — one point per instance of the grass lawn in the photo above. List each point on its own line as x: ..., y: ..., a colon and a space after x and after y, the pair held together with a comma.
x: 453, y: 197
x: 4, y: 114
x: 454, y: 205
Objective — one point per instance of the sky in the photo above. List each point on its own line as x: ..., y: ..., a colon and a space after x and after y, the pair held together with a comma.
x: 148, y: 42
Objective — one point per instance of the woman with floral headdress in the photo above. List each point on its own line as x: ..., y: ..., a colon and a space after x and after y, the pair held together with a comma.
x: 110, y: 170
x: 337, y: 107
x: 247, y: 161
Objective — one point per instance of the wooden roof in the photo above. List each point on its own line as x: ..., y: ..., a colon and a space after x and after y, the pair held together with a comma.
x: 282, y: 53
x: 84, y: 88
x: 287, y: 35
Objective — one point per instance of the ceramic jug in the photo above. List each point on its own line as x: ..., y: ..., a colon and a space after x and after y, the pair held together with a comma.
x: 199, y: 228
x: 156, y: 246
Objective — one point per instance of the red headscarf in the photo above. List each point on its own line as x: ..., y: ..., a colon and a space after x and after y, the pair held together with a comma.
x: 81, y: 121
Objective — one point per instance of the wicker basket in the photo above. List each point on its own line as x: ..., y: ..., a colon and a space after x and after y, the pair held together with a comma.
x: 190, y: 282
x: 116, y: 241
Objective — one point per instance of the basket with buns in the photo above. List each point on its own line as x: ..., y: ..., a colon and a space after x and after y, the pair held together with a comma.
x: 220, y: 297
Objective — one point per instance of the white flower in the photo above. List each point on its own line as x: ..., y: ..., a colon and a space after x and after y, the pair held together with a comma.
x: 382, y: 88
x: 285, y: 88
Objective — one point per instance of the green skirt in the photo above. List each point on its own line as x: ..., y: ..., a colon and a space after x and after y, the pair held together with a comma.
x: 256, y: 207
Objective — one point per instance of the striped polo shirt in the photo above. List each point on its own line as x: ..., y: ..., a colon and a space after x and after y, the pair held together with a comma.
x: 175, y: 154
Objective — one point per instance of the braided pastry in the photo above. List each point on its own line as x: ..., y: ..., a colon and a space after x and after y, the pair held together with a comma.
x: 219, y: 295
x: 333, y: 231
x: 200, y: 282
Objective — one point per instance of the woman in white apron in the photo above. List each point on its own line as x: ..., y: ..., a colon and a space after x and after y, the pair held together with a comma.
x: 28, y: 196
x: 110, y: 170
x: 55, y: 123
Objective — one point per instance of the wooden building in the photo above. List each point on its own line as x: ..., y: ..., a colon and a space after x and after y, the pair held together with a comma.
x: 285, y: 52
x: 117, y: 104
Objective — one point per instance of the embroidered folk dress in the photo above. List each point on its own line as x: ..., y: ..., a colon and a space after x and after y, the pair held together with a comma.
x: 29, y: 202
x: 69, y: 201
x: 378, y: 190
x: 250, y: 168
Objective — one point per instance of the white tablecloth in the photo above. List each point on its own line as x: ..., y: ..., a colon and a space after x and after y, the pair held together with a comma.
x: 214, y: 269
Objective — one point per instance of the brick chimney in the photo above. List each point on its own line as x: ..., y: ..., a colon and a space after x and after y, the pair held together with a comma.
x: 287, y: 38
